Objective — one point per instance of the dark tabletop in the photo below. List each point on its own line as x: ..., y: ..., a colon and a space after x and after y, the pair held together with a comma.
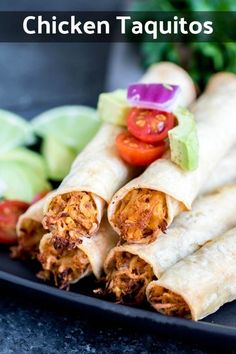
x: 35, y: 77
x: 28, y: 327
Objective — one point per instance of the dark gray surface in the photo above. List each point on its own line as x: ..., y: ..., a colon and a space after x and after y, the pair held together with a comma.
x: 36, y: 77
x: 30, y: 328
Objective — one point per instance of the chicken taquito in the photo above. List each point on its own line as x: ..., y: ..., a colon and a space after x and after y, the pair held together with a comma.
x: 142, y: 209
x: 69, y: 265
x: 201, y: 283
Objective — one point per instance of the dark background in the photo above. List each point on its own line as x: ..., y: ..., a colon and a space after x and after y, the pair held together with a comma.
x: 35, y: 77
x: 38, y: 76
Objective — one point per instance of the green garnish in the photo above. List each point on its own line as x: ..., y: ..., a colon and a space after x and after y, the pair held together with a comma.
x: 14, y: 131
x: 58, y: 157
x: 184, y: 144
x: 200, y: 59
x: 113, y: 107
x: 19, y: 181
x: 73, y: 126
x: 27, y: 157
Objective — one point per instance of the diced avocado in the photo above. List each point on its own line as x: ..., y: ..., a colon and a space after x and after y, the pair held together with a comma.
x: 113, y: 107
x: 184, y: 144
x: 58, y: 157
x: 29, y: 157
x: 19, y: 181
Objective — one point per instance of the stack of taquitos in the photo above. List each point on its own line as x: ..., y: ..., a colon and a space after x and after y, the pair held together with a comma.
x: 73, y: 213
x: 143, y: 208
x: 77, y: 207
x: 131, y: 267
x: 30, y: 232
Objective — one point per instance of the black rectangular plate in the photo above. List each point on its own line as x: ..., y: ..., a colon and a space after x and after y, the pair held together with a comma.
x: 217, y: 329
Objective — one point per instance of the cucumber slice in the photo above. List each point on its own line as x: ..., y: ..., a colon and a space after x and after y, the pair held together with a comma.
x: 73, y: 126
x: 58, y: 157
x: 14, y: 131
x: 184, y: 146
x: 19, y: 181
x: 113, y: 107
x: 30, y: 158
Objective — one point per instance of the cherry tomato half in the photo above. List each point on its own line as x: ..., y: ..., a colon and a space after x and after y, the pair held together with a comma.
x: 136, y: 152
x: 10, y: 211
x: 39, y: 196
x: 150, y: 125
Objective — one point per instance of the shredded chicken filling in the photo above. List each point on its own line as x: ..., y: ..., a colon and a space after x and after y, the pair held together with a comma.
x: 70, y: 216
x: 66, y: 266
x: 30, y: 234
x: 139, y: 214
x: 169, y: 303
x: 128, y: 278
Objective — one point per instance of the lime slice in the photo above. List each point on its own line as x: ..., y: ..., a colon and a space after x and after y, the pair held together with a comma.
x: 73, y: 126
x: 58, y: 157
x: 14, y: 131
x: 19, y: 181
x: 31, y: 158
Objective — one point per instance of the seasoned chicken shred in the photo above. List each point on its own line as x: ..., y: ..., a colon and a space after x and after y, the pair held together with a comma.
x: 65, y: 265
x: 169, y: 303
x: 140, y: 214
x: 30, y: 234
x: 128, y: 278
x: 70, y: 216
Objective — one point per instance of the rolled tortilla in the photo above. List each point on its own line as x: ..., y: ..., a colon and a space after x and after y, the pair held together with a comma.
x: 78, y: 204
x: 77, y: 207
x: 223, y: 174
x: 69, y: 265
x: 199, y: 284
x: 29, y: 231
x: 131, y: 267
x: 143, y: 208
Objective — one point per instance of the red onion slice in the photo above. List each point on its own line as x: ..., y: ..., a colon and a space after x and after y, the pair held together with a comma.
x: 154, y: 96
